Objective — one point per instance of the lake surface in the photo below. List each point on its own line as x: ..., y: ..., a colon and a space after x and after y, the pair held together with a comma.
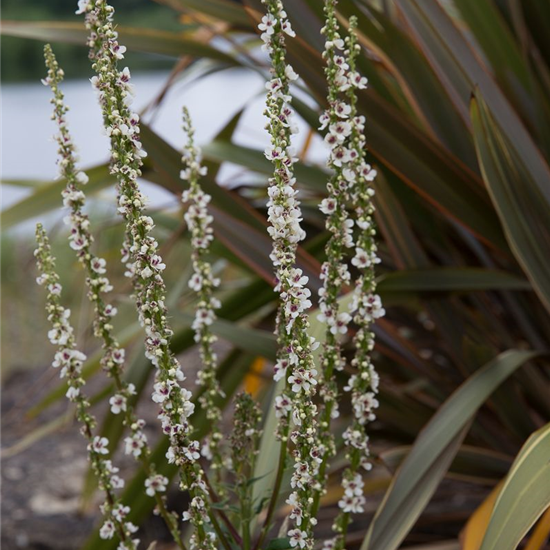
x: 29, y: 152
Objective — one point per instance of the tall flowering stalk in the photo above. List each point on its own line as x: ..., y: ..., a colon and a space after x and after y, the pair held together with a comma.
x: 334, y: 272
x: 295, y: 358
x: 81, y: 240
x: 145, y: 265
x: 203, y: 282
x: 366, y: 305
x: 69, y: 359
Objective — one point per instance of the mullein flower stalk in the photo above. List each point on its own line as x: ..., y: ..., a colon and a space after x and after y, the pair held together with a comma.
x: 334, y: 271
x: 366, y: 306
x: 70, y: 360
x: 145, y: 266
x: 98, y: 284
x: 203, y: 283
x: 295, y: 363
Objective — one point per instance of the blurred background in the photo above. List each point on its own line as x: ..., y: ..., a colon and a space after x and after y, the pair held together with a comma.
x: 458, y: 126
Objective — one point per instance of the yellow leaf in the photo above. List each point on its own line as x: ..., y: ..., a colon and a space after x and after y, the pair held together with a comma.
x: 540, y: 533
x: 473, y: 533
x: 253, y: 380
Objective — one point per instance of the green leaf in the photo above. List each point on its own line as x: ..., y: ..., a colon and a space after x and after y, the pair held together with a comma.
x: 258, y: 342
x: 524, y: 496
x: 473, y: 464
x: 414, y: 155
x: 517, y: 192
x: 47, y: 196
x: 424, y: 92
x: 254, y: 159
x: 433, y: 452
x: 279, y: 544
x: 225, y: 10
x: 140, y: 39
x: 24, y: 183
x: 450, y: 279
x: 454, y: 59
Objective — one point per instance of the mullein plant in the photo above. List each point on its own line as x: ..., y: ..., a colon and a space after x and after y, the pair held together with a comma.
x: 346, y: 138
x: 335, y: 273
x: 203, y: 283
x: 81, y: 240
x: 295, y: 362
x: 305, y: 395
x: 69, y: 360
x: 145, y: 266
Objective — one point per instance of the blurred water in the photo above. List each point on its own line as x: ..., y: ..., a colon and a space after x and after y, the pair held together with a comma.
x: 28, y: 151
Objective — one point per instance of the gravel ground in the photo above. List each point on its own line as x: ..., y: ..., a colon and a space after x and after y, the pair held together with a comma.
x: 42, y: 483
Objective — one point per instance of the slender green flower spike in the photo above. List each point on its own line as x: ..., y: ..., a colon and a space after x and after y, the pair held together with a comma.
x: 69, y: 360
x: 145, y: 266
x: 295, y: 407
x: 203, y: 283
x: 245, y: 440
x: 81, y: 240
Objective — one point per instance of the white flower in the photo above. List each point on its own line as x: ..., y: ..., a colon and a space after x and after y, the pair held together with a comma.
x: 55, y: 289
x: 297, y: 538
x: 286, y: 28
x: 161, y: 392
x: 146, y: 272
x: 82, y: 178
x: 110, y: 310
x: 273, y: 153
x: 134, y: 444
x: 267, y: 23
x: 72, y: 393
x: 361, y: 258
x: 302, y: 379
x: 357, y: 80
x: 118, y: 403
x: 108, y: 528
x: 156, y: 263
x: 328, y: 206
x: 120, y: 512
x: 342, y: 109
x: 82, y: 8
x: 118, y: 356
x: 98, y: 265
x: 100, y: 445
x: 283, y: 406
x: 342, y: 321
x: 156, y: 484
x: 352, y: 504
x: 290, y: 73
x: 340, y: 130
x: 192, y: 451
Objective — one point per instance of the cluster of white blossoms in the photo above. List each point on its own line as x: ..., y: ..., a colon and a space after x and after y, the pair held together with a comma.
x: 203, y: 283
x: 69, y: 360
x: 144, y: 264
x: 347, y: 141
x: 335, y: 273
x: 97, y: 283
x: 295, y: 359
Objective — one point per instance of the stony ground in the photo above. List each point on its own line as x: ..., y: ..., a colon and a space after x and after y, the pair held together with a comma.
x: 41, y: 483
